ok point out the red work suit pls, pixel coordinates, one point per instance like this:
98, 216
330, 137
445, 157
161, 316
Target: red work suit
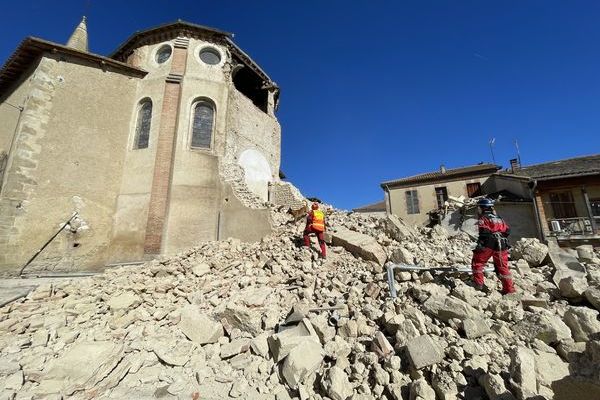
492, 242
311, 229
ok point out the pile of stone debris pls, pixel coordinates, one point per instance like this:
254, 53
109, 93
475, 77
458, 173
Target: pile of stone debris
270, 320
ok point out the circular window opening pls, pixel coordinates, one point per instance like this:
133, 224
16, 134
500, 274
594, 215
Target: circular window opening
210, 56
163, 54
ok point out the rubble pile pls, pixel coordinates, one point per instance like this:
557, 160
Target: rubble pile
270, 320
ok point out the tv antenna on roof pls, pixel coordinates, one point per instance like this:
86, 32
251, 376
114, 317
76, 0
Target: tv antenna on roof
492, 141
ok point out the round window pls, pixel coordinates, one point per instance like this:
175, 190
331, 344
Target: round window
210, 56
163, 54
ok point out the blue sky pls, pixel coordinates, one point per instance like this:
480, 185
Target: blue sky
377, 90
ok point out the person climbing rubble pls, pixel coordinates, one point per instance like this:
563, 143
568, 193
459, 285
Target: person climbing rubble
315, 223
492, 242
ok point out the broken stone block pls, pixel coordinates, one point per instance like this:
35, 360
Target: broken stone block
475, 327
583, 322
201, 269
570, 350
402, 256
372, 290
543, 325
381, 346
530, 301
522, 267
397, 229
570, 275
550, 368
592, 294
585, 253
420, 390
336, 384
363, 246
522, 372
81, 367
14, 381
424, 351
198, 327
531, 250
235, 347
495, 388
242, 318
260, 345
284, 341
303, 360
447, 307
124, 301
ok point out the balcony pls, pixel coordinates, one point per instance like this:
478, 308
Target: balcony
574, 228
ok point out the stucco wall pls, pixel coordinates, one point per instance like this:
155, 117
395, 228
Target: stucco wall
521, 219
427, 198
71, 149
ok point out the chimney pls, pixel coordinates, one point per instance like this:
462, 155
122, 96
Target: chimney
514, 164
443, 169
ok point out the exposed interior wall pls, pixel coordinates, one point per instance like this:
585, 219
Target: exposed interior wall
520, 217
516, 186
427, 198
250, 128
74, 128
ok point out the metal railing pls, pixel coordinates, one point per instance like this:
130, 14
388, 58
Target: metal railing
573, 226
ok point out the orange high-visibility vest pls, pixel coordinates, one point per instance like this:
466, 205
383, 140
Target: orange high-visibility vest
318, 221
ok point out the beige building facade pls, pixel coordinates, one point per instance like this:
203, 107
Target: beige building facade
412, 198
169, 141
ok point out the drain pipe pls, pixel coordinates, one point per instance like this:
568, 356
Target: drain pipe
532, 186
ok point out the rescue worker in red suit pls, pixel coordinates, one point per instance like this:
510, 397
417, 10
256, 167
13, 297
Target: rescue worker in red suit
492, 242
315, 223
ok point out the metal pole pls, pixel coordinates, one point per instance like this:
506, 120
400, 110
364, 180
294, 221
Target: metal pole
46, 244
492, 149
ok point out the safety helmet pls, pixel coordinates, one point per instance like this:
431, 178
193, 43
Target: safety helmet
485, 203
315, 206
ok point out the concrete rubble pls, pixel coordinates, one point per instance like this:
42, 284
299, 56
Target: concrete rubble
271, 320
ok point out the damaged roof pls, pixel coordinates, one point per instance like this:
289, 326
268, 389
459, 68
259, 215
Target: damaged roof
178, 28
570, 167
32, 48
374, 207
444, 175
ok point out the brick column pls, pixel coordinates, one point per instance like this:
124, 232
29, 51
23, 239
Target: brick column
165, 150
542, 214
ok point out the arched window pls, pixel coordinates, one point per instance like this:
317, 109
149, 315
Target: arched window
142, 127
202, 124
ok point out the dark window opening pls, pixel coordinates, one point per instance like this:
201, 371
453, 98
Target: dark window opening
202, 125
595, 205
412, 202
441, 195
250, 85
474, 189
563, 205
142, 128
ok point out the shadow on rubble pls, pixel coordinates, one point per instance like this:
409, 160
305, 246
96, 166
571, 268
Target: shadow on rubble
582, 383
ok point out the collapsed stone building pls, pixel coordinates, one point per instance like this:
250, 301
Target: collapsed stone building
269, 320
170, 140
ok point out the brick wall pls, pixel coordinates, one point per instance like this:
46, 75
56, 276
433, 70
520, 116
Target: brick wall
165, 149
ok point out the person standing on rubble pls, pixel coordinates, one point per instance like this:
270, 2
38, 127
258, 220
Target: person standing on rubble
492, 242
315, 223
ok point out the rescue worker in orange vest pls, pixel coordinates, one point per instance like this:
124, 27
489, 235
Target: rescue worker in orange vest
492, 242
315, 223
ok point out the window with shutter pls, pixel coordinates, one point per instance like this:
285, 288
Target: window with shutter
142, 127
202, 125
412, 202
